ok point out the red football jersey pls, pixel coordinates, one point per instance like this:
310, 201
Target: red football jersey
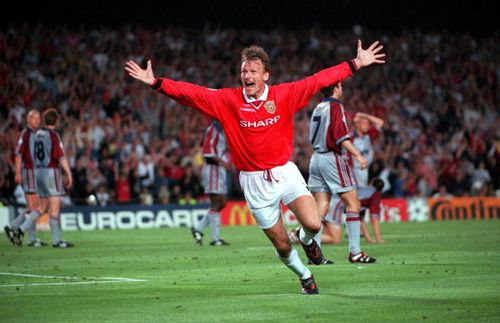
260, 134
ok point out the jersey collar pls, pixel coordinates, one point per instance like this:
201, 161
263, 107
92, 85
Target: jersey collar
263, 97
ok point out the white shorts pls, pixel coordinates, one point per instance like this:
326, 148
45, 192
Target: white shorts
264, 190
330, 172
214, 179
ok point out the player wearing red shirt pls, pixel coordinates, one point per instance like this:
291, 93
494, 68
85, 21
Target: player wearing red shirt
258, 121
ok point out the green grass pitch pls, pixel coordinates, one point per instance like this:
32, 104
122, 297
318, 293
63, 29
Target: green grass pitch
433, 271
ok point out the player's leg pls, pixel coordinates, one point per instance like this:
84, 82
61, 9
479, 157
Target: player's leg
218, 202
306, 211
332, 221
290, 257
55, 223
352, 205
332, 233
298, 198
263, 195
33, 202
322, 200
36, 210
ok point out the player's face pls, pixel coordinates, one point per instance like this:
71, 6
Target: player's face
34, 120
363, 125
253, 78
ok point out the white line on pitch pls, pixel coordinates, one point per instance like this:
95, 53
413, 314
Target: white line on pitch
96, 282
92, 281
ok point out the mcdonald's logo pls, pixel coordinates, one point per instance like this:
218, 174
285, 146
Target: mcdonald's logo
239, 214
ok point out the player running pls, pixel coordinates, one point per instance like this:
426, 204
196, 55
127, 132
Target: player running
258, 121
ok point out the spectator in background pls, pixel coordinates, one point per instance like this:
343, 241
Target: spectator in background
122, 188
481, 179
102, 195
421, 93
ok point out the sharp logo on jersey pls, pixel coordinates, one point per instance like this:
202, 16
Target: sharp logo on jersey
270, 107
259, 123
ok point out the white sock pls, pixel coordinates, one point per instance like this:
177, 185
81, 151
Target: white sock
353, 229
295, 264
30, 219
204, 222
317, 237
306, 236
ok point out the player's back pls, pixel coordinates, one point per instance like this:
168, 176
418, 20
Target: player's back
47, 148
320, 120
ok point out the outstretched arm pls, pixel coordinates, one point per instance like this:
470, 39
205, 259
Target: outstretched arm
370, 55
144, 75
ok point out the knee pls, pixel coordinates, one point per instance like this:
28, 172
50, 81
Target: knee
283, 248
314, 227
353, 205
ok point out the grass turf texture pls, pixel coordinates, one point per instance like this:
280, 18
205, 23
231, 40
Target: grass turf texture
434, 271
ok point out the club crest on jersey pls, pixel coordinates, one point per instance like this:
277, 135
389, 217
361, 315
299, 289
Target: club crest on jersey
270, 106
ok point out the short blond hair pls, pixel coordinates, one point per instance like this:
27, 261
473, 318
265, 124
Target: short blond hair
253, 53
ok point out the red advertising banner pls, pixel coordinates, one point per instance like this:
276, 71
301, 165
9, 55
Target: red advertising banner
394, 210
236, 213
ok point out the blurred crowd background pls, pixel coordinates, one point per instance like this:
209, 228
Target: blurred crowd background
438, 94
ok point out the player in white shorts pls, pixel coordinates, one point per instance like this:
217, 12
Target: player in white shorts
214, 174
258, 121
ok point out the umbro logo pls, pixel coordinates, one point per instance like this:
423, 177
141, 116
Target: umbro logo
248, 108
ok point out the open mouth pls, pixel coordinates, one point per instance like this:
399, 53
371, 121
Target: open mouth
249, 84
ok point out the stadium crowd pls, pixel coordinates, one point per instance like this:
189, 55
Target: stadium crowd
438, 94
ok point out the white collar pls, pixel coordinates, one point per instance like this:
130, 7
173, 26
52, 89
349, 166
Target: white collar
263, 97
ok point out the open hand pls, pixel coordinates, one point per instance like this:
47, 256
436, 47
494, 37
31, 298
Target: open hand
145, 75
370, 55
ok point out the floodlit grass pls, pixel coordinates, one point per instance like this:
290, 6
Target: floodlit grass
434, 271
